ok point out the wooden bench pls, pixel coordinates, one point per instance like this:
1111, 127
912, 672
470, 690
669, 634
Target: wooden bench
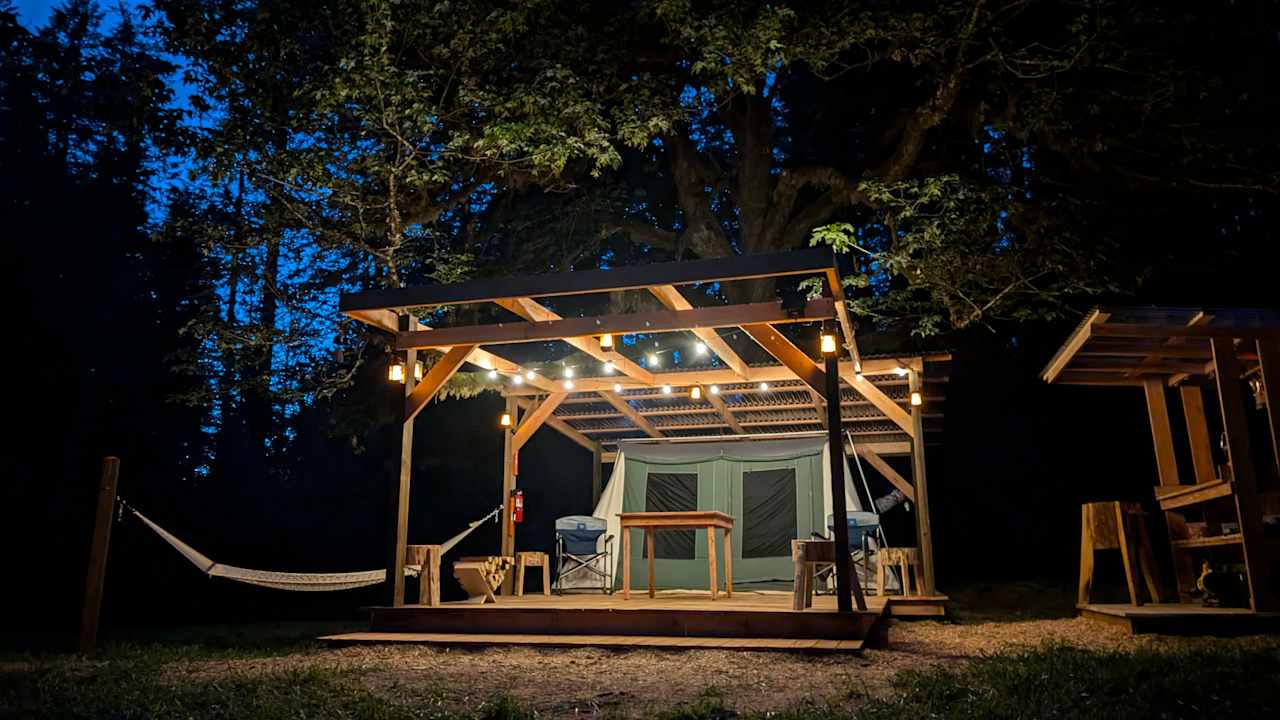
532, 559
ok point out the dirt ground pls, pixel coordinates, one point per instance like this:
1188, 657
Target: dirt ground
590, 682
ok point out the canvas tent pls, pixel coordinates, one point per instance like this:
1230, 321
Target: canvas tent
776, 490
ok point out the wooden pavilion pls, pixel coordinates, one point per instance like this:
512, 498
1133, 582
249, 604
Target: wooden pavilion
754, 379
1225, 506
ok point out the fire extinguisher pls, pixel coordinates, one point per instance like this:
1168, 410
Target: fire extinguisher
517, 506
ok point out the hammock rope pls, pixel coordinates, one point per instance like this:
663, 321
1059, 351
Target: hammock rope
300, 582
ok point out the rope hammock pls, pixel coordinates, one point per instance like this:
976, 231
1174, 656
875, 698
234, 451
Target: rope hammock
302, 582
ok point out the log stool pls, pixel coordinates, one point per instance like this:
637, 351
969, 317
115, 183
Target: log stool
905, 558
1117, 526
807, 556
532, 559
426, 557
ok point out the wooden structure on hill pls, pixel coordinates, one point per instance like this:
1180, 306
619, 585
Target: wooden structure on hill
749, 376
1224, 505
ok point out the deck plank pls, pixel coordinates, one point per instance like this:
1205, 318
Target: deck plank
610, 641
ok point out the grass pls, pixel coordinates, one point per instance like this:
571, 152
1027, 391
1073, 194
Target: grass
127, 681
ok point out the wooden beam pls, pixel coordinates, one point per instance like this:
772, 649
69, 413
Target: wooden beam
701, 321
1196, 331
1161, 432
561, 427
819, 406
436, 377
510, 464
669, 296
532, 311
842, 314
1227, 372
416, 396
533, 420
740, 267
1198, 433
924, 532
725, 413
792, 357
848, 589
1269, 367
885, 404
625, 408
381, 319
1073, 344
96, 577
893, 476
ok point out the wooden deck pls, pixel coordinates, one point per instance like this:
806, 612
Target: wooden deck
672, 619
1182, 619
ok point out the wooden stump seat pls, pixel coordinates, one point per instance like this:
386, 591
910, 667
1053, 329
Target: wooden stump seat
808, 555
428, 558
906, 558
532, 559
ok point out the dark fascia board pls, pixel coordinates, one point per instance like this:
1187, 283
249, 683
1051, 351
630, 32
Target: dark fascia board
741, 267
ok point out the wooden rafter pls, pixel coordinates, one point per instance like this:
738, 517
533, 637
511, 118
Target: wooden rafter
885, 404
561, 426
893, 476
669, 296
625, 408
819, 405
842, 314
1073, 345
742, 267
725, 413
534, 419
534, 311
545, 325
792, 357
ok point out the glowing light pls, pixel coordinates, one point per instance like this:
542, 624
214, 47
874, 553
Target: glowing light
764, 386
517, 379
828, 344
529, 375
417, 371
606, 341
653, 360
493, 374
714, 389
666, 389
857, 375
900, 371
505, 421
617, 387
609, 367
568, 372
395, 371
916, 400
695, 393
568, 384
700, 348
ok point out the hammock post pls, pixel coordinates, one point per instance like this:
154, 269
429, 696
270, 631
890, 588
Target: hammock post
398, 502
97, 574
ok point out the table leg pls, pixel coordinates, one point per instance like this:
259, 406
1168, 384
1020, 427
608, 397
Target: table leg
728, 562
626, 563
648, 546
711, 559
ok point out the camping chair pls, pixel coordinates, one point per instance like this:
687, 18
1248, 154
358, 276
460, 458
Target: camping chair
863, 529
578, 550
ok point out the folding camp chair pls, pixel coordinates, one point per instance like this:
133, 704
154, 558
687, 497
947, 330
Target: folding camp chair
580, 551
864, 527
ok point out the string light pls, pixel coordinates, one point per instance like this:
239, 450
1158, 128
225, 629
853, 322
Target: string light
653, 359
568, 372
695, 393
417, 371
517, 379
606, 341
608, 367
529, 375
568, 384
617, 387
666, 389
505, 420
764, 386
828, 343
700, 348
900, 371
857, 375
493, 374
916, 400
714, 389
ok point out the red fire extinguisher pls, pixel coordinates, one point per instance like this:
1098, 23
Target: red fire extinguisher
517, 506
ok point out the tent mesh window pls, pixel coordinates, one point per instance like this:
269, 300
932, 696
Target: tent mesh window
672, 492
768, 512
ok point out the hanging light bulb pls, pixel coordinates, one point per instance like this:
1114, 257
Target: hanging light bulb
606, 341
395, 371
764, 386
695, 393
517, 379
529, 375
617, 387
828, 343
417, 371
505, 420
609, 367
857, 374
568, 372
568, 384
900, 371
916, 400
714, 389
666, 389
493, 374
700, 348
653, 359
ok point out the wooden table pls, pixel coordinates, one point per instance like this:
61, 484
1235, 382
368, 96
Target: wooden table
684, 520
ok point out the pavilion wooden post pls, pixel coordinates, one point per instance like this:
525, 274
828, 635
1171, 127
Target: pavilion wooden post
847, 587
1198, 433
1161, 431
597, 474
398, 497
97, 573
924, 533
507, 530
1227, 372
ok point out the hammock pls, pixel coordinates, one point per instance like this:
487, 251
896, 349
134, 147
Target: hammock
304, 582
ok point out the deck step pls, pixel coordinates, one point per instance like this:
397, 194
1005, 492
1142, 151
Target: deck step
1179, 496
665, 642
